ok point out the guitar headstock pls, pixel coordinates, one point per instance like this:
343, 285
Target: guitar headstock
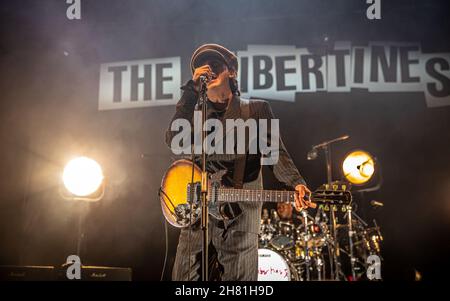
336, 186
336, 193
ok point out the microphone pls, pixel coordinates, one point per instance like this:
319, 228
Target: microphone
376, 203
312, 154
204, 79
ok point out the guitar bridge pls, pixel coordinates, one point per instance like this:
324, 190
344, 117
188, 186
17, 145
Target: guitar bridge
183, 212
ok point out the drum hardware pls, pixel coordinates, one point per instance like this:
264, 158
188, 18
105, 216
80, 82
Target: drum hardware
306, 239
281, 243
356, 261
265, 215
325, 194
350, 239
312, 155
274, 215
372, 239
378, 236
303, 242
266, 233
319, 269
316, 230
286, 228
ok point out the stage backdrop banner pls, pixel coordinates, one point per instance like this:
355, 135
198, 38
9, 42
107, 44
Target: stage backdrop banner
279, 72
142, 83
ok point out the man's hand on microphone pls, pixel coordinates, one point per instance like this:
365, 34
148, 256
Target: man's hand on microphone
202, 70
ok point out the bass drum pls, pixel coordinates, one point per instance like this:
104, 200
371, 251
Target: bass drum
274, 267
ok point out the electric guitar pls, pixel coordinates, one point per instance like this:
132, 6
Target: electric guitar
181, 203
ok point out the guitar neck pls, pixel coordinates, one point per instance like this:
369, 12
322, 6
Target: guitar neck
332, 197
252, 195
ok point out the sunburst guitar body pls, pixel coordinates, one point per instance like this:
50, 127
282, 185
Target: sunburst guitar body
180, 195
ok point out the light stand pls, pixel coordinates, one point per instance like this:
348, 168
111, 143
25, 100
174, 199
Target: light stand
81, 235
359, 168
83, 208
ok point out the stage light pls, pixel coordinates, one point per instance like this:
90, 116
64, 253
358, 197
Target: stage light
358, 167
82, 176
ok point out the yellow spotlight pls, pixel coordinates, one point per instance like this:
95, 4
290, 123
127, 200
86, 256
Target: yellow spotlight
82, 176
358, 167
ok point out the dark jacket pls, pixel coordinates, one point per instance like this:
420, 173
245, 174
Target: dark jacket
285, 170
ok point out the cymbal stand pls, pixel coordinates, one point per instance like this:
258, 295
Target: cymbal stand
350, 240
306, 239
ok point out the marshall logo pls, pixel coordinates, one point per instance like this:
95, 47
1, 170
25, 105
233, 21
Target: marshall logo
98, 275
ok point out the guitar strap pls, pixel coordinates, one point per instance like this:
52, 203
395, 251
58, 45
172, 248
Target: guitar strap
230, 211
239, 163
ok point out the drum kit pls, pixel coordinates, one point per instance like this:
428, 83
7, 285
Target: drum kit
313, 246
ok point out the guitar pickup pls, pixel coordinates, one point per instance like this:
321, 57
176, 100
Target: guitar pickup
193, 193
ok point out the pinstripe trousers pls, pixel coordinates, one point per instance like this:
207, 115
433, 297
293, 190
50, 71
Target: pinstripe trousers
237, 252
236, 245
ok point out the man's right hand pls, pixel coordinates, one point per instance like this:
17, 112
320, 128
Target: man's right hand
202, 70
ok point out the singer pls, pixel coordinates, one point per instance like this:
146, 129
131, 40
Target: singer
235, 240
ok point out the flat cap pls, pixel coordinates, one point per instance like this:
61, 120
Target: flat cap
209, 51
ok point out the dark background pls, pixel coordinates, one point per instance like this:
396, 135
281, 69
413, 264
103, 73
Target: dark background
49, 78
